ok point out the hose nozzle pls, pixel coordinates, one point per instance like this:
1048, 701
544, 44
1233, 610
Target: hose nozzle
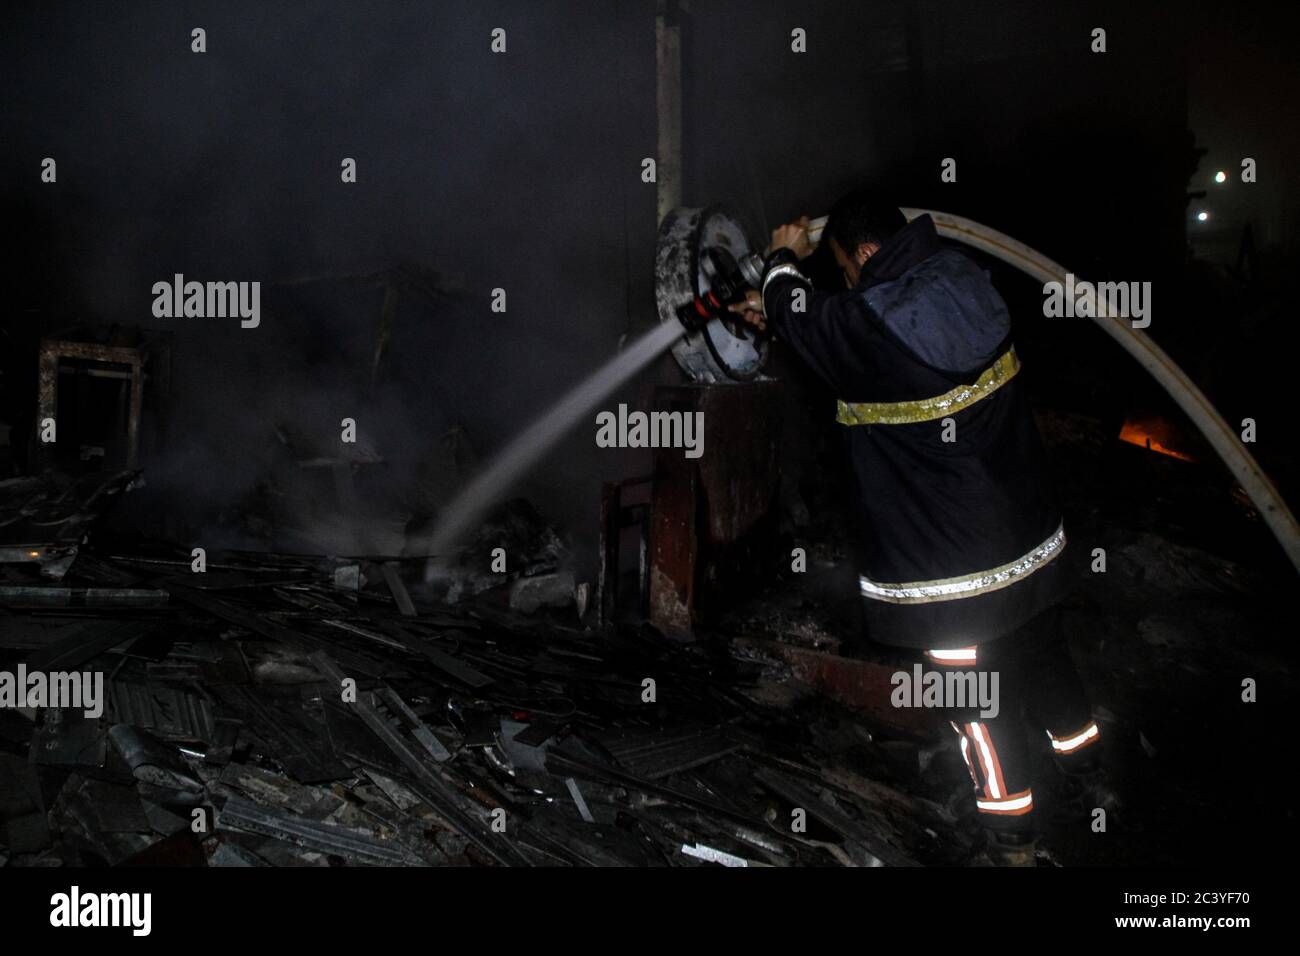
728, 281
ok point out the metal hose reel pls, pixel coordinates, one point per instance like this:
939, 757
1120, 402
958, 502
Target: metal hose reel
698, 259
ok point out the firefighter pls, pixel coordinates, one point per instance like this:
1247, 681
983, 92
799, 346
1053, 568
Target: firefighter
961, 555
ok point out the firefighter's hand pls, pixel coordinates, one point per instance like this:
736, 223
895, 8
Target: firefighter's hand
751, 310
792, 236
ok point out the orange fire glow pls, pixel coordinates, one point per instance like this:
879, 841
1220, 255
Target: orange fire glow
1154, 434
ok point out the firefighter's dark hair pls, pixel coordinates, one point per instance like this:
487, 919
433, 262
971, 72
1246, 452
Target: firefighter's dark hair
864, 215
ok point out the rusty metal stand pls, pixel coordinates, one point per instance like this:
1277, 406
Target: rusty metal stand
710, 524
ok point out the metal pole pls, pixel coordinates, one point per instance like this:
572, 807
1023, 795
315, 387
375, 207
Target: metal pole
668, 70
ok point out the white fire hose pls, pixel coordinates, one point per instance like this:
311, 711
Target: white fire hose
1190, 399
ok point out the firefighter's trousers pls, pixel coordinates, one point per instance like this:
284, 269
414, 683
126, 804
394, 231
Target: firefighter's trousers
1039, 691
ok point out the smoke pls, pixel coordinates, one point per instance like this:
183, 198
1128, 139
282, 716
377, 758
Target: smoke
515, 171
537, 439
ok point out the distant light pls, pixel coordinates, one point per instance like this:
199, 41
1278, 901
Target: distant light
1202, 215
1221, 177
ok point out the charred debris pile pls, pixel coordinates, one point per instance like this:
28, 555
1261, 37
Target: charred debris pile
288, 710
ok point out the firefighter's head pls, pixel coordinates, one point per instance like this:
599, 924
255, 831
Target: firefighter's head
859, 224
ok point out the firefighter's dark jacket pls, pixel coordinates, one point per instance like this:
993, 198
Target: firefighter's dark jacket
962, 535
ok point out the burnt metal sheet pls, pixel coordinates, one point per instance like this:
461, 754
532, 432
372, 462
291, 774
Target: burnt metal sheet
430, 786
29, 632
23, 597
70, 652
68, 738
163, 821
269, 628
243, 815
178, 671
414, 726
538, 732
152, 761
308, 600
54, 559
578, 800
95, 570
800, 795
710, 854
234, 614
559, 762
230, 854
114, 808
393, 578
366, 633
400, 796
654, 756
520, 755
353, 742
450, 665
275, 789
22, 810
301, 749
167, 711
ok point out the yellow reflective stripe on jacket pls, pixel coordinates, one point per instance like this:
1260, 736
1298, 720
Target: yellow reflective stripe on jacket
929, 409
